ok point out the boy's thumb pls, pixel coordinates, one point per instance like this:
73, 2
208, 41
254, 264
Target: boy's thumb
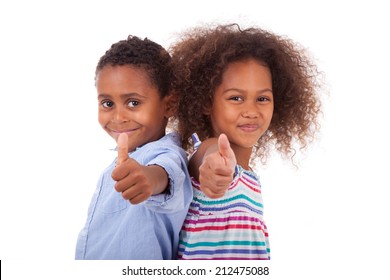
122, 148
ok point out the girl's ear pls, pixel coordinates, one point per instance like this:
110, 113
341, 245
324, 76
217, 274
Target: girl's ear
171, 104
207, 110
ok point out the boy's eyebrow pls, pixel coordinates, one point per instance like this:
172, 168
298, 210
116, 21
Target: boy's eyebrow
105, 96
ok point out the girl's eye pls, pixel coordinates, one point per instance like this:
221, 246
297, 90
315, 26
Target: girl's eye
235, 98
263, 99
107, 104
133, 103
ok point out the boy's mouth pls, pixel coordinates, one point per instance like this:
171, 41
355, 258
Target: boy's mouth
122, 130
115, 132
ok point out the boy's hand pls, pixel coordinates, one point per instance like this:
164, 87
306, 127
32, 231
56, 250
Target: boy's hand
217, 169
132, 178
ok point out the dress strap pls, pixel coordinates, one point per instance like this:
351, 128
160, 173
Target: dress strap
196, 140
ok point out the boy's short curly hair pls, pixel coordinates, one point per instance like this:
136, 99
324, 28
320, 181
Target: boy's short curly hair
145, 54
203, 54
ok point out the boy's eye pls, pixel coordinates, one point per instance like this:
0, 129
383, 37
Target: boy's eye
107, 104
133, 103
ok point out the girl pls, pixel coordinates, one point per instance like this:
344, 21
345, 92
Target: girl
242, 92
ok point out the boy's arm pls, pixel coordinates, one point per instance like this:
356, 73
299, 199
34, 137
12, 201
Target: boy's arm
137, 182
213, 166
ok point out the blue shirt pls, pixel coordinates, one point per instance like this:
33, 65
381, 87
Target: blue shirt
116, 229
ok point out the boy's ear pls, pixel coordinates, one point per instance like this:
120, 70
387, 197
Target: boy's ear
171, 104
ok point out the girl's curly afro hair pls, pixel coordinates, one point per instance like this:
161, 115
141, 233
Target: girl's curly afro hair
200, 58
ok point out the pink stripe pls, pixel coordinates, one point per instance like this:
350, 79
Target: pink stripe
249, 179
242, 179
193, 211
221, 258
249, 186
225, 227
227, 219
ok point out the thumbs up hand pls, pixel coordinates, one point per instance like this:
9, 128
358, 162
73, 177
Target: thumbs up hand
135, 181
217, 169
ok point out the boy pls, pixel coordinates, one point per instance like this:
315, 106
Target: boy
142, 198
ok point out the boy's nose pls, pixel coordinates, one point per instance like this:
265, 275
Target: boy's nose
119, 116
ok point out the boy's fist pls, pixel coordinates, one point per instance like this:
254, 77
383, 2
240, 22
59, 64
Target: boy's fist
132, 179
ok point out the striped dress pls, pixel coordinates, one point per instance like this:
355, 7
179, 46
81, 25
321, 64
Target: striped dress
230, 227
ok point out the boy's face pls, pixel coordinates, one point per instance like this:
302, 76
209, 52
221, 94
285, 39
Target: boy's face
129, 103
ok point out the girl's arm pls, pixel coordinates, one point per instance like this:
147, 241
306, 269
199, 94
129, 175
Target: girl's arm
213, 165
206, 147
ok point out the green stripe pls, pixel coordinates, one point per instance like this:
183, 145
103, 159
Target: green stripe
213, 244
240, 196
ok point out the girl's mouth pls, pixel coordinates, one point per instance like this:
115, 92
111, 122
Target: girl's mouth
249, 127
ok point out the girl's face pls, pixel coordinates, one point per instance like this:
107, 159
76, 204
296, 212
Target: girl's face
129, 103
243, 103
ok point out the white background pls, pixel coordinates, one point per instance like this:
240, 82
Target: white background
327, 219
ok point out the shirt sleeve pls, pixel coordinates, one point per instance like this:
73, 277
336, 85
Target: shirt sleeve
174, 161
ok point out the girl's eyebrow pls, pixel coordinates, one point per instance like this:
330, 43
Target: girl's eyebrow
242, 91
122, 96
132, 95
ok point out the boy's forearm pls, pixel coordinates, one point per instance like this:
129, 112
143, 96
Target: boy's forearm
159, 178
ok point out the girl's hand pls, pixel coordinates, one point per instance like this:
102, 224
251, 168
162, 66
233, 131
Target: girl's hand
135, 181
217, 169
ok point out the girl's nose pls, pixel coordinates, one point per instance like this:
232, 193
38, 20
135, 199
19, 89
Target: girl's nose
250, 111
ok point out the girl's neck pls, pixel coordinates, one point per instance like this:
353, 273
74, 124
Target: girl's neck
243, 156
